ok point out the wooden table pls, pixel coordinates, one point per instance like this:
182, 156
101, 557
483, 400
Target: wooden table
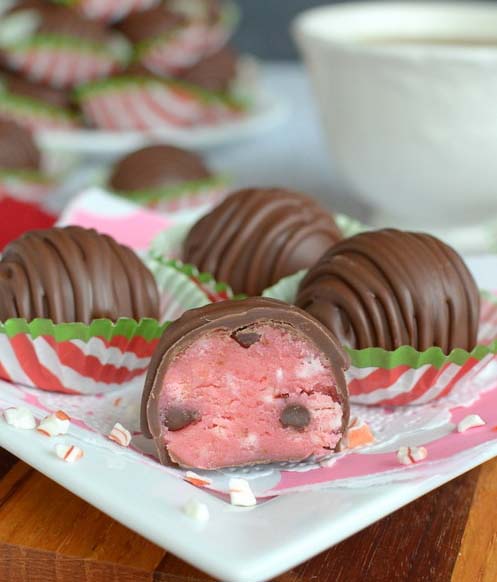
49, 535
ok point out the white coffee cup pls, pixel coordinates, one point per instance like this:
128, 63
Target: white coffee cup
412, 126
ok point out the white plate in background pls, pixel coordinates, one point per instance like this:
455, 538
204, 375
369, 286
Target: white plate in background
267, 112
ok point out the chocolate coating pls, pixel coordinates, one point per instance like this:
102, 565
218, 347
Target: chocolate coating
234, 316
214, 73
257, 236
18, 150
74, 275
59, 20
147, 24
155, 167
391, 288
17, 85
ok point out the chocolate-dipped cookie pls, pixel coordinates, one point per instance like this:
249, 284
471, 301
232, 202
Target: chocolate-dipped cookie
257, 236
74, 275
18, 150
243, 382
391, 288
155, 167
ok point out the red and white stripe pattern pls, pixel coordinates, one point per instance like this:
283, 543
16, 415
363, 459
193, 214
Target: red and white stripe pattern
403, 385
35, 120
113, 10
184, 48
74, 367
24, 190
149, 107
61, 67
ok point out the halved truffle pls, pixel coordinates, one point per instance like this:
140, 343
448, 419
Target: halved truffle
243, 382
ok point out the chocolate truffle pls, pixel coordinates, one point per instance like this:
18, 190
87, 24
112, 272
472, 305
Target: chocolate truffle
391, 288
215, 72
257, 236
74, 275
18, 151
156, 167
242, 382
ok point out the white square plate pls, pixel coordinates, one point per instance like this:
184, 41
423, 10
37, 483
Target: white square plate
236, 544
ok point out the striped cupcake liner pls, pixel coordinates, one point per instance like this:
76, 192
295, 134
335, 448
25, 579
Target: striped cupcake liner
35, 115
184, 287
406, 376
61, 62
186, 46
74, 358
186, 196
25, 186
143, 104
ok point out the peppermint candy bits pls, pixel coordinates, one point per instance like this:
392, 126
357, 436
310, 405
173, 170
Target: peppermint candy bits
54, 424
411, 455
470, 421
120, 435
240, 493
20, 417
69, 453
197, 480
196, 510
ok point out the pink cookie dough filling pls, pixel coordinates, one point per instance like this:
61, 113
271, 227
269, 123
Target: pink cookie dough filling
272, 400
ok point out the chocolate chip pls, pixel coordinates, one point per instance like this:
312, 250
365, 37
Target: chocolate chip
295, 415
246, 339
178, 418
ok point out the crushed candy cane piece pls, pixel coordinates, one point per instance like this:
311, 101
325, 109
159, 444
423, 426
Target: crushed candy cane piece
120, 435
196, 510
359, 434
240, 493
69, 453
328, 462
20, 417
411, 455
470, 421
197, 480
55, 424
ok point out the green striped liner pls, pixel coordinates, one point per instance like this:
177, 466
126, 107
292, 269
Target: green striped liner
26, 176
148, 329
124, 82
61, 42
21, 105
192, 188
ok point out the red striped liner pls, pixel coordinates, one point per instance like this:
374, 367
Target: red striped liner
425, 380
151, 107
59, 68
80, 361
